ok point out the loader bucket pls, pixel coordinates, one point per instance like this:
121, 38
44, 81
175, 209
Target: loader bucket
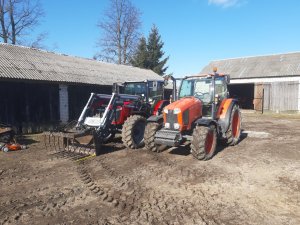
79, 143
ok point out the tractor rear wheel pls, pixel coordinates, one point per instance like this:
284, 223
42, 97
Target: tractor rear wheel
150, 132
203, 145
234, 130
133, 131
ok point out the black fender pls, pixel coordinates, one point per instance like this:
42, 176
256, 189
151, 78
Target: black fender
225, 122
206, 122
156, 119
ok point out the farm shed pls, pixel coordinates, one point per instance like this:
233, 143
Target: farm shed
269, 82
40, 88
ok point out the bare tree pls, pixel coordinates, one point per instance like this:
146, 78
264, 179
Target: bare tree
18, 18
120, 29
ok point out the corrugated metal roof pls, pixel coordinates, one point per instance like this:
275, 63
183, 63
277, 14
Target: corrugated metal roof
279, 65
18, 62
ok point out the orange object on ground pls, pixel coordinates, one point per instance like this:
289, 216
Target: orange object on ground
13, 147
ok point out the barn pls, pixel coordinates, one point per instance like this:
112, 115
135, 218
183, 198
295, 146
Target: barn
40, 88
264, 83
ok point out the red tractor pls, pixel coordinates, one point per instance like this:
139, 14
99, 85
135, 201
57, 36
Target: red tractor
203, 114
125, 111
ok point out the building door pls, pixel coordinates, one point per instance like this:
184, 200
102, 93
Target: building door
244, 93
258, 97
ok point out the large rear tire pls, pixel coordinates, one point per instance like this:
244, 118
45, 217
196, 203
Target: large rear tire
133, 131
150, 132
234, 130
203, 145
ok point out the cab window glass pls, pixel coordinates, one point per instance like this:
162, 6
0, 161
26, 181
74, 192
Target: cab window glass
135, 88
186, 88
220, 87
156, 90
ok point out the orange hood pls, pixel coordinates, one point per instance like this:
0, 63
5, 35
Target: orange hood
184, 103
190, 110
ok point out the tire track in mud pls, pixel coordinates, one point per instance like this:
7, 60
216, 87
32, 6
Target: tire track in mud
12, 211
137, 203
152, 205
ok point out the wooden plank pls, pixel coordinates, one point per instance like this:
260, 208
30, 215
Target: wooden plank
258, 96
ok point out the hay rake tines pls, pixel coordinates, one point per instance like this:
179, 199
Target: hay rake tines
53, 141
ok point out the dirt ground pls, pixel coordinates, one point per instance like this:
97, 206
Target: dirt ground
254, 182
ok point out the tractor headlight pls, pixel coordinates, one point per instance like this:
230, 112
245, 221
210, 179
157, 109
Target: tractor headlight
176, 126
166, 111
167, 125
176, 111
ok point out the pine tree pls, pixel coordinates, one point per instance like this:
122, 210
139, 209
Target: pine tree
155, 52
140, 58
149, 53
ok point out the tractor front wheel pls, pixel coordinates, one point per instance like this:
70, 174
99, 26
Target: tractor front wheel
150, 132
203, 145
133, 131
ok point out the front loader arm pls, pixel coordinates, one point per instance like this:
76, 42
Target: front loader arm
84, 111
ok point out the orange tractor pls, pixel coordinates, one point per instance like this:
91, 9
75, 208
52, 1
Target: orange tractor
203, 114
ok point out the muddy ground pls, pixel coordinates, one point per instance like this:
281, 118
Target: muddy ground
255, 182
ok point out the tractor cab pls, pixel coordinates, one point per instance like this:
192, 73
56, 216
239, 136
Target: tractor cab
149, 90
209, 89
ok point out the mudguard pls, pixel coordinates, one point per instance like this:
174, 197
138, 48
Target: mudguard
204, 121
159, 106
155, 118
224, 113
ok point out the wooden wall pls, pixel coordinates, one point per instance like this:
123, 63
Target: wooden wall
34, 107
24, 104
281, 96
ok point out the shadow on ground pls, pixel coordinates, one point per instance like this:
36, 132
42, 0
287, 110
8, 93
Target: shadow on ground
26, 139
185, 149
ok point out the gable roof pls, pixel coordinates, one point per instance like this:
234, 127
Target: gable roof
18, 62
279, 65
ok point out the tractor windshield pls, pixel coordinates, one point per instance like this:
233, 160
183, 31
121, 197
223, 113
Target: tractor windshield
200, 88
135, 88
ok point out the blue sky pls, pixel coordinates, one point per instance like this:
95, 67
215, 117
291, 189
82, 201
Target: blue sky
194, 31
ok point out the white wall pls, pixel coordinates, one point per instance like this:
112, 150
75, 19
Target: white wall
265, 80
